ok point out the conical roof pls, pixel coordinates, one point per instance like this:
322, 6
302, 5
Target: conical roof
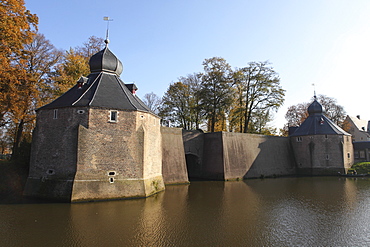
102, 88
317, 123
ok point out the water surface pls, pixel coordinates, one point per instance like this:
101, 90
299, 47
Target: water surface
312, 211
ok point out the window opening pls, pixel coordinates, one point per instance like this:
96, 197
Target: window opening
55, 114
299, 139
113, 116
50, 172
112, 173
111, 180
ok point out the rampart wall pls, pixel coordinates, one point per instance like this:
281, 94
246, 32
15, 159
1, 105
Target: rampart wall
173, 157
232, 156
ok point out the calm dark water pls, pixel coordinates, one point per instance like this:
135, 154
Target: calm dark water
319, 211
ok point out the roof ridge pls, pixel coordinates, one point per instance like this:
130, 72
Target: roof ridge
84, 93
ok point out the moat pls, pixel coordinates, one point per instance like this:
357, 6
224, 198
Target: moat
305, 211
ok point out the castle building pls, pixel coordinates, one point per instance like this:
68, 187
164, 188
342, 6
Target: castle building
321, 147
97, 141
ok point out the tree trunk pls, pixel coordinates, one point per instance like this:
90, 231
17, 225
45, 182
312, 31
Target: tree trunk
17, 139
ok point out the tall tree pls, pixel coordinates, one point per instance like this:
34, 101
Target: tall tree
75, 63
175, 105
17, 28
332, 109
72, 67
152, 101
181, 102
260, 90
90, 47
216, 89
38, 60
17, 87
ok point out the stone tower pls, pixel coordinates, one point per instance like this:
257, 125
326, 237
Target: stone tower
321, 147
97, 141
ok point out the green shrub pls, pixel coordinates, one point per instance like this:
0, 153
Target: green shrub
361, 168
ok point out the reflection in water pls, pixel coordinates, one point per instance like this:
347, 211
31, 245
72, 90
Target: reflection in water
322, 211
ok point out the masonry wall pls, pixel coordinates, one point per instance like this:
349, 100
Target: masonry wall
213, 156
118, 159
54, 153
251, 156
193, 146
323, 154
173, 157
239, 155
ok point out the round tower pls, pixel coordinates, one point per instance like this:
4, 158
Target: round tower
320, 146
97, 141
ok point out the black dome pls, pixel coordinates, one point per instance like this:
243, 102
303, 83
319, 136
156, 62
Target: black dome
105, 61
315, 108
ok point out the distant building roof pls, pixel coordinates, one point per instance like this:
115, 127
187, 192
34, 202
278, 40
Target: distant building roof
359, 123
102, 88
317, 123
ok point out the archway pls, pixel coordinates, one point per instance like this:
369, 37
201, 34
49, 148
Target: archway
193, 165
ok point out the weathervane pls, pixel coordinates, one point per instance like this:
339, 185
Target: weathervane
107, 19
314, 90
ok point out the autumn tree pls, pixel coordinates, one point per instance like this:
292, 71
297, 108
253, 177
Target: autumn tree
38, 60
216, 90
17, 86
75, 63
17, 28
258, 93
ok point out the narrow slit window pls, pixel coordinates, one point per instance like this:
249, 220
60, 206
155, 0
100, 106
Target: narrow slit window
299, 139
111, 180
55, 114
113, 116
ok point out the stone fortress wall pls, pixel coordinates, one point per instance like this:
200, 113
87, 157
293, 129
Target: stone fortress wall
236, 156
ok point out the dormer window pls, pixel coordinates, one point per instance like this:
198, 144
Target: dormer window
113, 116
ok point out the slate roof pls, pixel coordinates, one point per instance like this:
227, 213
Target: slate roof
103, 87
317, 123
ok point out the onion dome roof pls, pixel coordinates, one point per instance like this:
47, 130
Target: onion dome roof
102, 88
105, 61
315, 108
317, 123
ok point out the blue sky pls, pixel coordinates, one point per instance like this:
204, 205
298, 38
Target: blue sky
321, 42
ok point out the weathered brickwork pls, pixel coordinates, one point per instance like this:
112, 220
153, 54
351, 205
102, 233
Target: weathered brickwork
118, 159
54, 152
82, 155
323, 154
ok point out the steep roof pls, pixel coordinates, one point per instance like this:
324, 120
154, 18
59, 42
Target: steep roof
360, 124
317, 123
102, 88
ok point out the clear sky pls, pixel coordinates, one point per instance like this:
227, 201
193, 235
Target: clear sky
321, 42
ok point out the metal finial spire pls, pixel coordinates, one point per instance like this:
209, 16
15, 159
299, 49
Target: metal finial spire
106, 18
314, 91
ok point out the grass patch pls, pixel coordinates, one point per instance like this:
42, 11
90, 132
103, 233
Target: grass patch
361, 168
